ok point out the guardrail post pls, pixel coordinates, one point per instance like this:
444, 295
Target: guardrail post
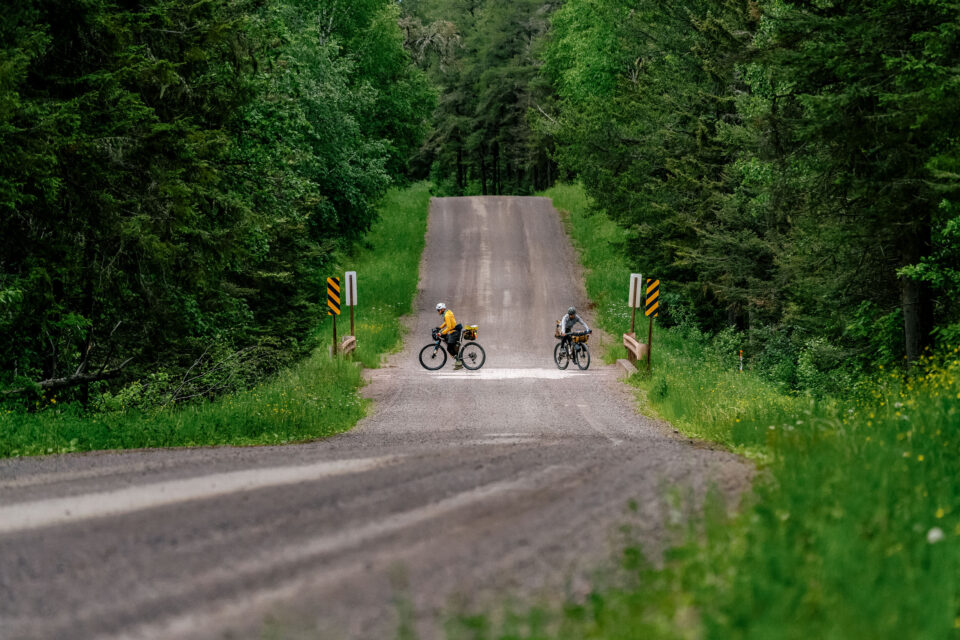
348, 345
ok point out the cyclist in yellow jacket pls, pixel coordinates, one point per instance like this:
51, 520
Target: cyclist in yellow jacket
450, 330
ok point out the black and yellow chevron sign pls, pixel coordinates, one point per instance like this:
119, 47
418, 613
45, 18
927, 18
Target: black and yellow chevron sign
333, 296
651, 305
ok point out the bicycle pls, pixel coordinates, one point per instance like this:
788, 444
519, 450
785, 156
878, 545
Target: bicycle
575, 350
434, 355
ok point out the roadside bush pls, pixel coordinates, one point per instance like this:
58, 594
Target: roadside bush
772, 354
820, 369
948, 335
725, 348
676, 311
879, 335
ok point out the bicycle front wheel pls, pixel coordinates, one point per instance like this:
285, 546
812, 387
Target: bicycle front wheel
433, 356
473, 356
583, 358
560, 356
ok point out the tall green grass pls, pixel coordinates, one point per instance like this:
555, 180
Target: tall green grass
316, 398
852, 529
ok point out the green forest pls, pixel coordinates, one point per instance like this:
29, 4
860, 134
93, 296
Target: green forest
175, 177
790, 170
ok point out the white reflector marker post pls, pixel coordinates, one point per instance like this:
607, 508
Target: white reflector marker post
350, 295
636, 298
350, 291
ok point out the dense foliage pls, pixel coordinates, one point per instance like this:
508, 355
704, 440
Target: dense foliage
175, 176
313, 398
788, 168
483, 54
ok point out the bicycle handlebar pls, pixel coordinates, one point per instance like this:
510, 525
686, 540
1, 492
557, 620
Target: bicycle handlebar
573, 334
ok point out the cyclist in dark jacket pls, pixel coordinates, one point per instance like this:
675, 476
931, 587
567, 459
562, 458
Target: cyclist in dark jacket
569, 321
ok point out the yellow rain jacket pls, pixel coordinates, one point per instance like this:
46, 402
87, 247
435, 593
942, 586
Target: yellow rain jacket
449, 323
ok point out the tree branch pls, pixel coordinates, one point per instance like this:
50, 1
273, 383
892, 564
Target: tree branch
70, 381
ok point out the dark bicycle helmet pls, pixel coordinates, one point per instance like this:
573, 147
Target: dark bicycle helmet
572, 311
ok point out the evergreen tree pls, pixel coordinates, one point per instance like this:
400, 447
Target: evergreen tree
174, 176
873, 92
481, 140
790, 166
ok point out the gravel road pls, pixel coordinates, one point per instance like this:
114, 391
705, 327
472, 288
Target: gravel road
459, 490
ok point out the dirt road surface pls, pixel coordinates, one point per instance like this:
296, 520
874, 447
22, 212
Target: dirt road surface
460, 489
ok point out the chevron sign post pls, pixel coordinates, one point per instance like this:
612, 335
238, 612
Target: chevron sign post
333, 306
651, 307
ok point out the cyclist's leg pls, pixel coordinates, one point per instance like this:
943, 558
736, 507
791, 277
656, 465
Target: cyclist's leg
457, 346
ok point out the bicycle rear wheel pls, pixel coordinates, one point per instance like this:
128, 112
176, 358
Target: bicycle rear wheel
433, 356
560, 356
583, 357
473, 356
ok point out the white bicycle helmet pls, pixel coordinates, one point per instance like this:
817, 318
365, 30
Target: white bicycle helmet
441, 306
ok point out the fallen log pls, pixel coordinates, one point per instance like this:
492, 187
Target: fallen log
70, 381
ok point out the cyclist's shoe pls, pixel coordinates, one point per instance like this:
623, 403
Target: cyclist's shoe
457, 364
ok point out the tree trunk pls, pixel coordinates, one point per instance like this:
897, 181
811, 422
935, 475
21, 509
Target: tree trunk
483, 173
496, 169
911, 301
459, 171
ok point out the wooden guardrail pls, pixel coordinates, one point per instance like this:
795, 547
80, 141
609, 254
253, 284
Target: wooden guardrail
348, 345
635, 350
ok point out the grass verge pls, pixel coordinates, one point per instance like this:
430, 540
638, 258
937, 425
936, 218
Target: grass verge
852, 531
316, 398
